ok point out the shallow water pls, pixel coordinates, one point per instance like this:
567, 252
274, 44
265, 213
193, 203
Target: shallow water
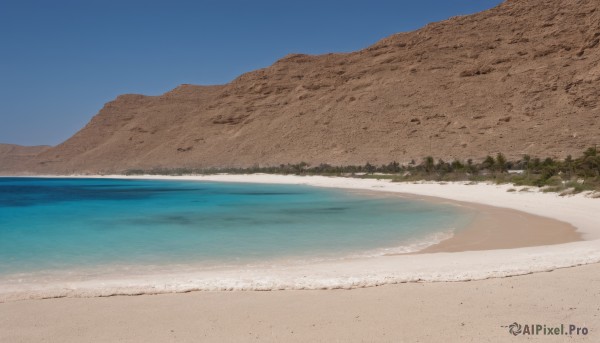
74, 225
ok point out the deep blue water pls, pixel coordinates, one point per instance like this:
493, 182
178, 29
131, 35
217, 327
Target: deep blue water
63, 224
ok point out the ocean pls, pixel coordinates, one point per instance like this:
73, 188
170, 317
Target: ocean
88, 227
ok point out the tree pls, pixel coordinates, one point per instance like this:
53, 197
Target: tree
535, 164
589, 164
443, 167
428, 164
526, 161
457, 165
591, 152
488, 163
471, 168
569, 166
501, 162
393, 167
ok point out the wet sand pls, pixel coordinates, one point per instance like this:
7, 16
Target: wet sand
501, 228
492, 228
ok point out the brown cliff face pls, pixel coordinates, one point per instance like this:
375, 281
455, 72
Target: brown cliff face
522, 78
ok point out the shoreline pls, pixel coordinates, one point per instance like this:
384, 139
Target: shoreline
429, 265
501, 228
476, 311
492, 227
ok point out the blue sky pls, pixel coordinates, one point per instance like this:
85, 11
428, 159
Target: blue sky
60, 61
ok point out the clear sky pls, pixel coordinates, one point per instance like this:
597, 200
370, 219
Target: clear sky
60, 61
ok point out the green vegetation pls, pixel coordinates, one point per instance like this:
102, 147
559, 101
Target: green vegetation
569, 176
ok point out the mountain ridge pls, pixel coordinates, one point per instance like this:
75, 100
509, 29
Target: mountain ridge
519, 79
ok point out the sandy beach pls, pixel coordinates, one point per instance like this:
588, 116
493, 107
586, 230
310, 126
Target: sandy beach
514, 233
473, 311
501, 228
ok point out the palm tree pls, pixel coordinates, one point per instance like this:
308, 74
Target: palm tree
501, 162
428, 164
590, 162
569, 166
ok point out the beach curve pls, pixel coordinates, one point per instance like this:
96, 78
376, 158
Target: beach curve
578, 211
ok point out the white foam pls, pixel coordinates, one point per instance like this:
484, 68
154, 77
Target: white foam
363, 271
410, 246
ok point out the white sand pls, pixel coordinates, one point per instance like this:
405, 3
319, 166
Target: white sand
473, 311
580, 211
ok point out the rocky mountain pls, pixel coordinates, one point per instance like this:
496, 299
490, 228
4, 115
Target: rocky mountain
521, 78
12, 155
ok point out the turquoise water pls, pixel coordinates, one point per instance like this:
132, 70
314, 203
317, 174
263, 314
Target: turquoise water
74, 224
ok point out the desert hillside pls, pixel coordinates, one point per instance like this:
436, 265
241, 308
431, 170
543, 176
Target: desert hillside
521, 78
12, 155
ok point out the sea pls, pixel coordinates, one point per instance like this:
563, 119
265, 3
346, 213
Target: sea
85, 227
